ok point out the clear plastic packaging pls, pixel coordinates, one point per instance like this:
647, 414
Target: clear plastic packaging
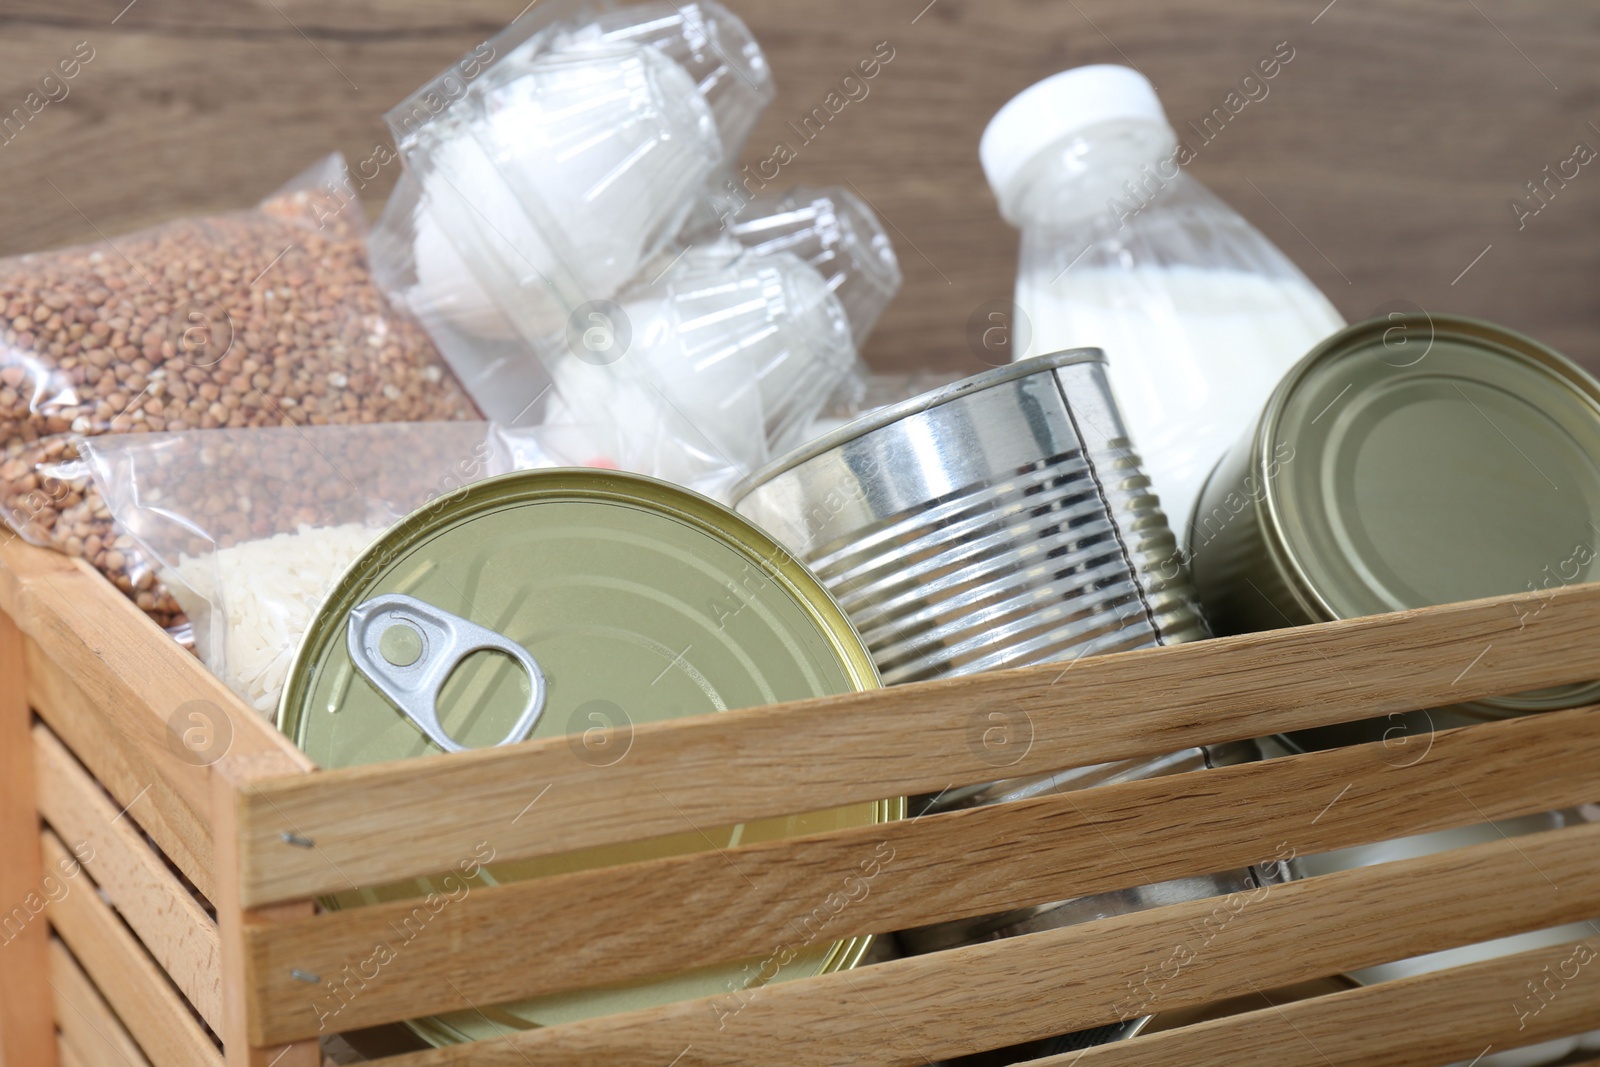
547, 167
422, 273
1198, 313
707, 372
265, 317
714, 47
545, 275
838, 234
579, 147
830, 229
248, 529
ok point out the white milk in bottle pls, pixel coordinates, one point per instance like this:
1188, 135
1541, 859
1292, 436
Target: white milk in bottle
1198, 313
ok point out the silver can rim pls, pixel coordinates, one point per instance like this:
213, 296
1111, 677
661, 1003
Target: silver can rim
877, 420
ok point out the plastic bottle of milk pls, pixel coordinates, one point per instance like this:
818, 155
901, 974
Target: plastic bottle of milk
1198, 313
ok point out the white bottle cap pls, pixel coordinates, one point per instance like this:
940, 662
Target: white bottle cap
1063, 103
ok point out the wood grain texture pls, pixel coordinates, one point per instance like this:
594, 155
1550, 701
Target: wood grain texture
27, 1029
176, 931
141, 683
1382, 160
913, 1011
131, 982
498, 944
242, 1035
383, 822
90, 1030
177, 829
1377, 1026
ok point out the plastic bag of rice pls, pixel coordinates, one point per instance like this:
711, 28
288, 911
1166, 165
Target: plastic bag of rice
250, 529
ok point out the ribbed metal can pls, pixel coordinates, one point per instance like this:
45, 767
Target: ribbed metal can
1001, 521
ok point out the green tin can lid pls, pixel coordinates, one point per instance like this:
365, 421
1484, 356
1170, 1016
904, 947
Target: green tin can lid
638, 602
1434, 459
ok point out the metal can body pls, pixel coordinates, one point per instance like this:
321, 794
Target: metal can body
999, 522
1405, 462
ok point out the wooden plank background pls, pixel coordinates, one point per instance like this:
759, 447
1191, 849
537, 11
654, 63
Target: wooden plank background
1383, 159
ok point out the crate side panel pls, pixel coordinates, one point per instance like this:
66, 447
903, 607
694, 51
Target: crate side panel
384, 822
181, 832
89, 1028
178, 933
27, 1030
914, 1011
132, 983
494, 944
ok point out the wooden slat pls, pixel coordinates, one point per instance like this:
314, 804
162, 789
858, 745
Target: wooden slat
177, 829
383, 822
132, 983
127, 668
27, 1032
242, 1038
917, 1010
506, 942
180, 936
1449, 1016
65, 1056
89, 1028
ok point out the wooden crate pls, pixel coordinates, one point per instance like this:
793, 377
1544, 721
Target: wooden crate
139, 972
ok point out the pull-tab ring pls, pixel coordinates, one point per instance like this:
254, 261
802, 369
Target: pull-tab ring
408, 648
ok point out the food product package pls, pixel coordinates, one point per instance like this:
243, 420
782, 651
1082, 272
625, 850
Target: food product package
542, 234
445, 274
705, 373
721, 354
266, 317
559, 156
248, 529
836, 232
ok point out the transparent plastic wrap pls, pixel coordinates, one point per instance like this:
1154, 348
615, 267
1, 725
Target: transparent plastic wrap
1198, 313
422, 273
248, 529
561, 155
705, 373
714, 46
835, 234
545, 168
257, 318
834, 230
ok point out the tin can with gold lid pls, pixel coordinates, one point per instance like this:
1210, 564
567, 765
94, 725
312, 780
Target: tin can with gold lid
557, 602
1405, 462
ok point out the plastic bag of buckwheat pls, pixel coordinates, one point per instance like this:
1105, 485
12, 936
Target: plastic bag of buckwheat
266, 317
